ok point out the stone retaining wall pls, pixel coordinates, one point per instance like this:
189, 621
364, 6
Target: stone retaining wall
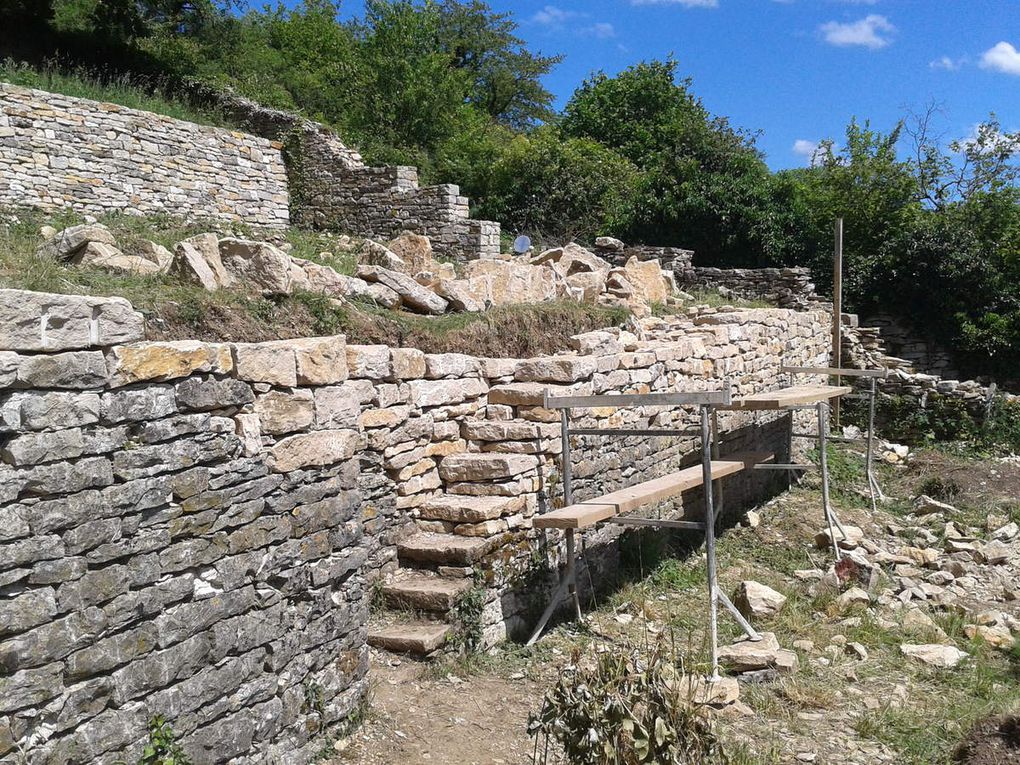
57, 151
785, 287
191, 529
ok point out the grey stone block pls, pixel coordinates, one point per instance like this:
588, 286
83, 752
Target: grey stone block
207, 394
138, 404
74, 369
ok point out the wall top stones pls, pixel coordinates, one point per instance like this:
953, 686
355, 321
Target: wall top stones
57, 151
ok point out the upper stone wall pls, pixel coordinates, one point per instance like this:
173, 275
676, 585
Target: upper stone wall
57, 151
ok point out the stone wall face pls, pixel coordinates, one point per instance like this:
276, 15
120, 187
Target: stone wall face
785, 287
57, 151
180, 535
191, 529
906, 343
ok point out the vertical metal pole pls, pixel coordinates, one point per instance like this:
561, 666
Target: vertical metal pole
871, 437
824, 463
713, 587
568, 499
837, 304
717, 486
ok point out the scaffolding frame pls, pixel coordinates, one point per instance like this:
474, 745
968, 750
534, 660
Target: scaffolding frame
706, 403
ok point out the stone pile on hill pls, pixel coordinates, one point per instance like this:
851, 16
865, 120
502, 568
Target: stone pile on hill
400, 274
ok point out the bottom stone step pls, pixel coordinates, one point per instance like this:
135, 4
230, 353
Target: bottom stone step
418, 639
421, 592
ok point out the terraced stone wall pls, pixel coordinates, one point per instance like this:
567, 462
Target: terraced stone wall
192, 529
96, 158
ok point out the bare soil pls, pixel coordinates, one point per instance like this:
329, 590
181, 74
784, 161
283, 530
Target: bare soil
992, 742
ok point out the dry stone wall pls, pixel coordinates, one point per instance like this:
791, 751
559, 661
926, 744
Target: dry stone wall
180, 535
785, 287
57, 151
192, 529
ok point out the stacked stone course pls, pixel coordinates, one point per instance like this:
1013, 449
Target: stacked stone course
191, 529
57, 151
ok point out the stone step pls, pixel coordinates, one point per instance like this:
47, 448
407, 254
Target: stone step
417, 591
431, 547
420, 639
464, 508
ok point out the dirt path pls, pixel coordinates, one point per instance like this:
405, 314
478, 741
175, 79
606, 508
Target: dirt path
416, 719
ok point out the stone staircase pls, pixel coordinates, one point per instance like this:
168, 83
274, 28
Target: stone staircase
436, 571
485, 498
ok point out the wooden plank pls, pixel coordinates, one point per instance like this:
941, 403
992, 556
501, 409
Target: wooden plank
712, 397
832, 371
792, 396
583, 514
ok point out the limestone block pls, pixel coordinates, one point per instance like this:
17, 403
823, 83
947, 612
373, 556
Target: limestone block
439, 365
562, 369
155, 253
320, 360
481, 529
205, 394
190, 265
138, 404
384, 418
274, 363
757, 601
321, 447
414, 250
375, 254
408, 363
285, 411
369, 361
502, 282
48, 411
485, 467
426, 393
337, 406
167, 360
39, 321
467, 509
646, 279
248, 429
934, 654
458, 295
72, 369
510, 430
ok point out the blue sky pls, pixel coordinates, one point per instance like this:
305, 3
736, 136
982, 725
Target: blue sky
797, 70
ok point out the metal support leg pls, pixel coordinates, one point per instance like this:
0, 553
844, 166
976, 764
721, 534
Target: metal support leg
713, 587
717, 486
830, 517
568, 580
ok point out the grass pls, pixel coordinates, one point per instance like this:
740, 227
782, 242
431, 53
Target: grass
712, 298
119, 89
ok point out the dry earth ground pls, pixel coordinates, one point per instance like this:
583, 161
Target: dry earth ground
854, 699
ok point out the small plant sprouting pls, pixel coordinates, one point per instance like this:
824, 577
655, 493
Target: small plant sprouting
163, 747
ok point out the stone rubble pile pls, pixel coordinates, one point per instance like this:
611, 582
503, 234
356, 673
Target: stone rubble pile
401, 274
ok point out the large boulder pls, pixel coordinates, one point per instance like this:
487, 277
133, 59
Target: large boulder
197, 259
65, 244
645, 276
375, 254
457, 295
414, 250
501, 282
261, 265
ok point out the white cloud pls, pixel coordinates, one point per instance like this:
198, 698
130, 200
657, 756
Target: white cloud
873, 31
684, 3
948, 63
806, 149
1002, 57
602, 30
551, 16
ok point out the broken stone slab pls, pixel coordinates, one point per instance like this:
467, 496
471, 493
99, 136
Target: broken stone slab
485, 467
501, 282
459, 297
109, 258
65, 244
190, 265
925, 505
327, 281
996, 635
853, 537
757, 601
41, 321
561, 369
414, 251
704, 691
155, 253
750, 656
447, 549
412, 295
934, 654
374, 254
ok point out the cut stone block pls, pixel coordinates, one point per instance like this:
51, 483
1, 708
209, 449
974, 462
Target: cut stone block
444, 548
417, 639
748, 655
421, 592
461, 508
485, 467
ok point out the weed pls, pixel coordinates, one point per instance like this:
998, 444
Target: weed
163, 747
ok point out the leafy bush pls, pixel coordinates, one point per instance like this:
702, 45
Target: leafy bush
163, 748
626, 709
